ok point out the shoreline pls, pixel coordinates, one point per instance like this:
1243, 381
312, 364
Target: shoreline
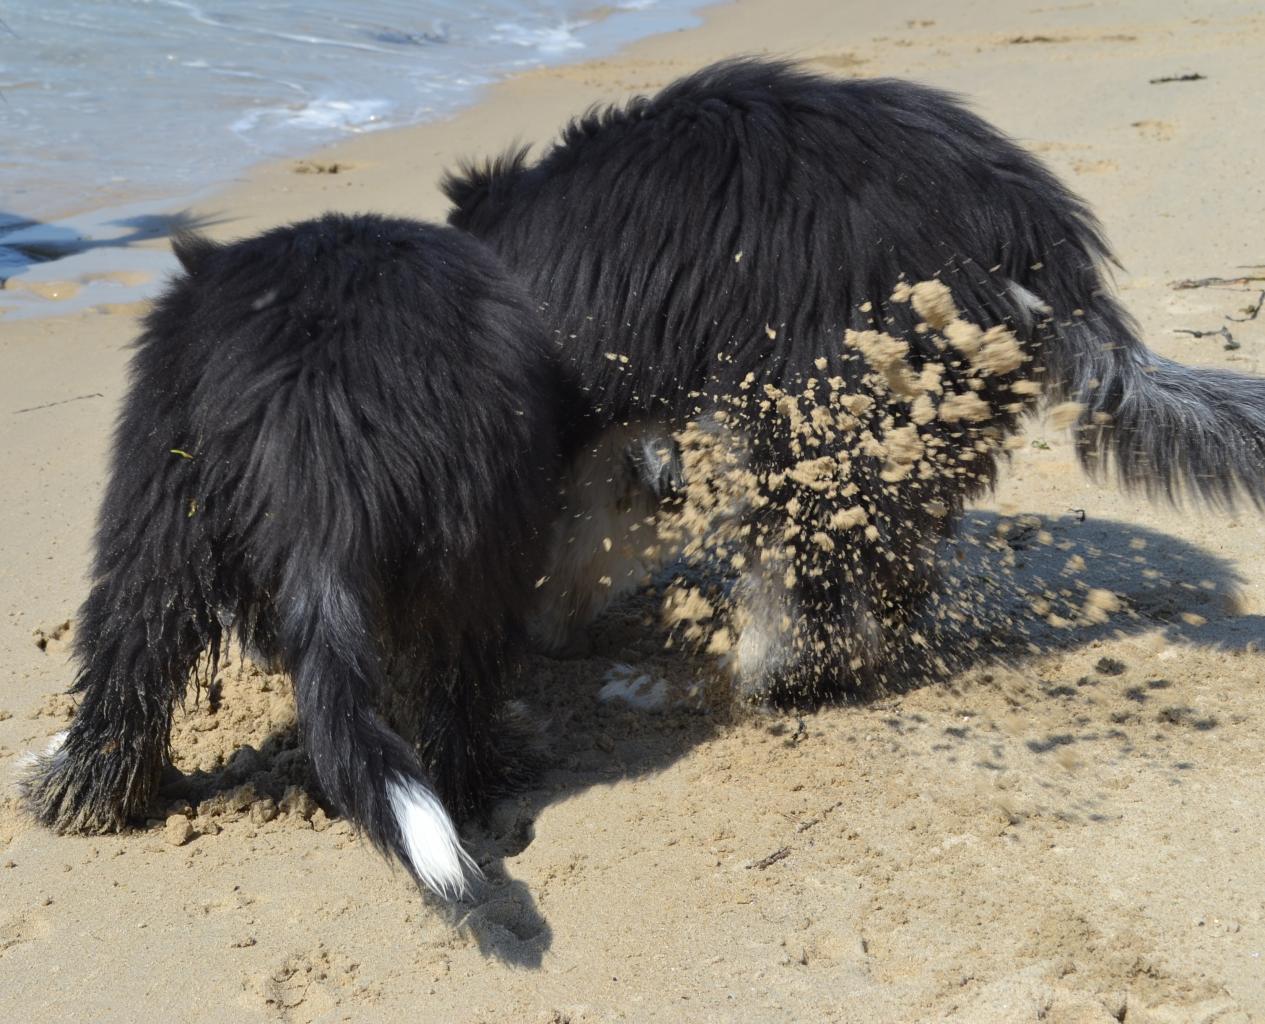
92, 233
1070, 837
538, 101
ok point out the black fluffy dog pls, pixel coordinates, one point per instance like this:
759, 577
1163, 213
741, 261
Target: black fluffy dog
340, 441
733, 253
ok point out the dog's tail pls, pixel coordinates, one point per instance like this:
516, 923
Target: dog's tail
1166, 430
371, 774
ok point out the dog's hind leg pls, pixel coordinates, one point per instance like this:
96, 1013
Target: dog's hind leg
328, 638
837, 565
799, 636
476, 745
148, 618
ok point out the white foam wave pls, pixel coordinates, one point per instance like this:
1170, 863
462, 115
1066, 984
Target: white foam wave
545, 39
320, 115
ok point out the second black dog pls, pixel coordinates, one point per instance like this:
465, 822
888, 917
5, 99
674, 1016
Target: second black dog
731, 258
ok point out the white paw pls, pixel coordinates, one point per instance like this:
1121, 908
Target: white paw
31, 758
638, 689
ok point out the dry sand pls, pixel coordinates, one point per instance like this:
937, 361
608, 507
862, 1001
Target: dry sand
1074, 838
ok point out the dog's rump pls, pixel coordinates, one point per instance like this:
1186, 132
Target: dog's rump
340, 435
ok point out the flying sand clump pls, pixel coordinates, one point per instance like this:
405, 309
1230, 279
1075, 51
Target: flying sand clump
859, 464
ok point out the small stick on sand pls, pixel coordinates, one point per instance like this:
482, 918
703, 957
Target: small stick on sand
1224, 332
772, 858
1213, 282
1255, 311
64, 401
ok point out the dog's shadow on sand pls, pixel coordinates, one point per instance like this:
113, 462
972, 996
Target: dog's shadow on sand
1022, 586
26, 244
1017, 587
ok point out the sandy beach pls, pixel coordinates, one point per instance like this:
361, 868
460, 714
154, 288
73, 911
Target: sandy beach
1073, 837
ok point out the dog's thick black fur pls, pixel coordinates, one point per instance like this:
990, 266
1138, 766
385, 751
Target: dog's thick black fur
690, 248
339, 439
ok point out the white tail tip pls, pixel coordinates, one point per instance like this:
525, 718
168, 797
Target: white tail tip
430, 840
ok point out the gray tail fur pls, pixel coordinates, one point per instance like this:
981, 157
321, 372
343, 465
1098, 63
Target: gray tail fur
1163, 429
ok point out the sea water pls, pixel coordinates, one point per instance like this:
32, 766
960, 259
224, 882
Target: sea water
113, 112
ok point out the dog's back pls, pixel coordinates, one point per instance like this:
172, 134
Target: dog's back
739, 220
375, 379
743, 218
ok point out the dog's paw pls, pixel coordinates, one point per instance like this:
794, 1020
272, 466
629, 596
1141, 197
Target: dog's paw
638, 689
26, 763
641, 689
68, 792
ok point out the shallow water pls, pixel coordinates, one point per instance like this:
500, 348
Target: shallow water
107, 104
